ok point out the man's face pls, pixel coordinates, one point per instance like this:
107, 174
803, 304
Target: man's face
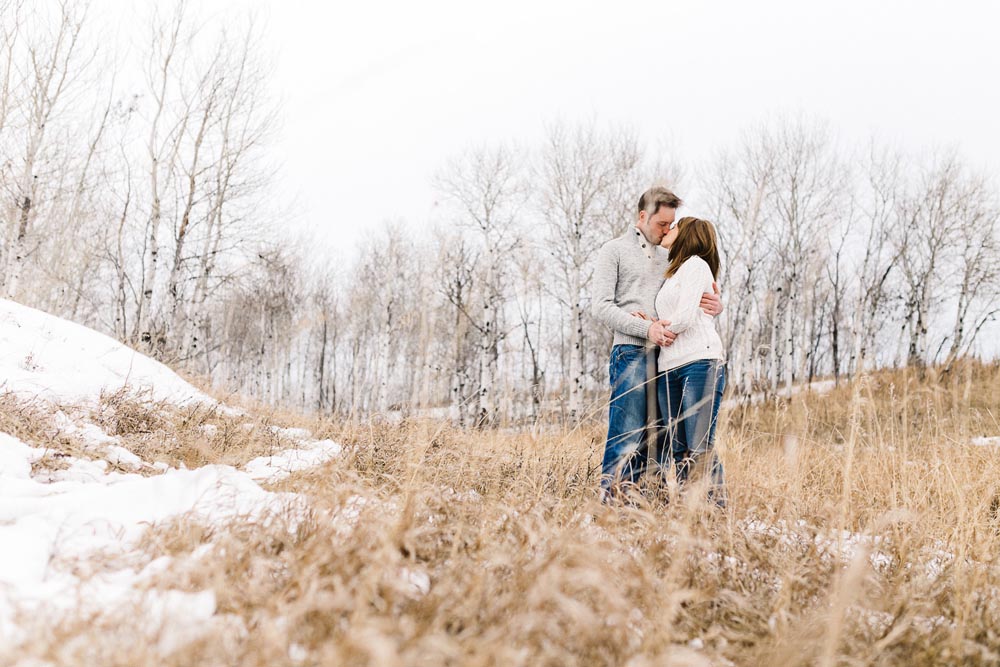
668, 239
655, 226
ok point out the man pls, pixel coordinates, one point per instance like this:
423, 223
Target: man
628, 274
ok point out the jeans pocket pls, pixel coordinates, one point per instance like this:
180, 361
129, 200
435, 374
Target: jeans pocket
613, 365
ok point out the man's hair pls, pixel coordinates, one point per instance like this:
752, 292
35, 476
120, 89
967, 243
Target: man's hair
656, 197
694, 237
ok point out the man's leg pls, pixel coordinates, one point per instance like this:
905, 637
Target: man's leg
625, 450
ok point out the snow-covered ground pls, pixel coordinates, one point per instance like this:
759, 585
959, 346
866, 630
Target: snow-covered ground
46, 357
281, 465
54, 522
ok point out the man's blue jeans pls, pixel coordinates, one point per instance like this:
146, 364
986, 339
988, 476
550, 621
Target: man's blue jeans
690, 397
625, 453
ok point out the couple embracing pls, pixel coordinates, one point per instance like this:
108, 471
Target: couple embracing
655, 288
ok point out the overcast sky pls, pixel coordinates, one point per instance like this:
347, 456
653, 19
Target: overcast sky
377, 95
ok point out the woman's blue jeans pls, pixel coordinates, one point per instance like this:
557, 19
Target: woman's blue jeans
690, 397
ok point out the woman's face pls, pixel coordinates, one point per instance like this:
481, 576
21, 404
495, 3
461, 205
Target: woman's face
669, 238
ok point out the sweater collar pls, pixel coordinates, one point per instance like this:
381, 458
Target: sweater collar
643, 243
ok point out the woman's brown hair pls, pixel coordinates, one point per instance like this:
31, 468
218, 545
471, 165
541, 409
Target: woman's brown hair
695, 237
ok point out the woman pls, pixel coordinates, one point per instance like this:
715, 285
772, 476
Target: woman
692, 370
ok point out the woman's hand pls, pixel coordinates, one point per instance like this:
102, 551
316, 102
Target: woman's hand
659, 333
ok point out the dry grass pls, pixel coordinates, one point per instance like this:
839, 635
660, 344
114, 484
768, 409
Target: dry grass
190, 436
33, 422
526, 568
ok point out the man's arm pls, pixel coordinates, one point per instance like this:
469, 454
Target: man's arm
711, 302
604, 307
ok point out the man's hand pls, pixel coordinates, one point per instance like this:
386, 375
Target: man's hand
660, 334
641, 315
711, 303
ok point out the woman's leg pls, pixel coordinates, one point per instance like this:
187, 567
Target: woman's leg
674, 447
703, 383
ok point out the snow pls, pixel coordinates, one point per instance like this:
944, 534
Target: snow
58, 525
993, 441
92, 436
417, 582
291, 433
45, 357
55, 523
843, 544
90, 512
281, 465
818, 387
929, 562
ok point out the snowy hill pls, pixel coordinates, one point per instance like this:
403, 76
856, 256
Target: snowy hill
69, 491
47, 357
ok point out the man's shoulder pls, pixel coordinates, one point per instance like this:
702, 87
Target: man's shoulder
618, 243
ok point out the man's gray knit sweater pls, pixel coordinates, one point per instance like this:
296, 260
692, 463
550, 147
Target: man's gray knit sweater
627, 275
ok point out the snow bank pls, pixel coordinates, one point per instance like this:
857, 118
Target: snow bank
50, 358
54, 523
281, 465
96, 439
49, 530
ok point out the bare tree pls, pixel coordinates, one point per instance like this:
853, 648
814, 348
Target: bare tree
455, 277
485, 185
233, 184
201, 117
739, 187
930, 216
978, 256
162, 147
530, 294
836, 274
876, 204
11, 19
582, 172
328, 325
11, 22
258, 321
808, 196
52, 65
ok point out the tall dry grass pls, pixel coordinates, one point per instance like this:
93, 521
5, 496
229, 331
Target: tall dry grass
862, 530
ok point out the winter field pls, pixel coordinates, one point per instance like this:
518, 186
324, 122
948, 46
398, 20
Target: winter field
303, 359
146, 523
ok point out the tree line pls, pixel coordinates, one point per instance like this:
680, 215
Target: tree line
143, 209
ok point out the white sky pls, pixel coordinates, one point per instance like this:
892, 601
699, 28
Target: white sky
377, 95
